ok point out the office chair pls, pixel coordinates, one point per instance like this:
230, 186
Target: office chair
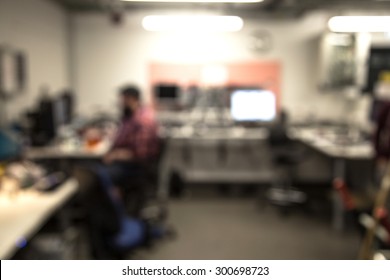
111, 232
286, 155
140, 190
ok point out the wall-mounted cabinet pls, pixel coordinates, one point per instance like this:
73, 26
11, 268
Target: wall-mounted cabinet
343, 61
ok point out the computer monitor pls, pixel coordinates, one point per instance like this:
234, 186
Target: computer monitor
253, 105
167, 97
43, 122
9, 147
166, 92
64, 106
60, 112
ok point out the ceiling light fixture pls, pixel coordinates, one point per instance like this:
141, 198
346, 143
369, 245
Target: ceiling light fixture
197, 1
359, 24
193, 23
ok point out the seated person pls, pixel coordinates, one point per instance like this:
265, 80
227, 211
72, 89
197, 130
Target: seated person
136, 144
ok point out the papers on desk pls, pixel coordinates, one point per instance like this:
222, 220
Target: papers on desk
8, 199
23, 214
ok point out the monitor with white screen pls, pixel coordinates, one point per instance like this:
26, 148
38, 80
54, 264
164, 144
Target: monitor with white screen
253, 105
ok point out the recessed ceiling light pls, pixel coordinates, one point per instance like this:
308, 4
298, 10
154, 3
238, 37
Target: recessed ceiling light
197, 1
359, 24
193, 23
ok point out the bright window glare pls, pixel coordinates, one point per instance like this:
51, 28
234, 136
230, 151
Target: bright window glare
253, 105
359, 24
193, 23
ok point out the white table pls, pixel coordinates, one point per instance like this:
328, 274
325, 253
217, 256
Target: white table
189, 142
322, 142
219, 134
23, 215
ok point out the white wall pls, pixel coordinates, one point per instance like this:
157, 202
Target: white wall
40, 29
107, 56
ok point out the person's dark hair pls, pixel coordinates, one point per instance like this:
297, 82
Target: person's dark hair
130, 91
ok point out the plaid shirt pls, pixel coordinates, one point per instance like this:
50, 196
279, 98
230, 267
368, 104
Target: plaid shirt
139, 134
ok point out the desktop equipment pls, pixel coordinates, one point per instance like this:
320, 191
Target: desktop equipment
50, 114
63, 112
60, 117
64, 108
253, 105
9, 147
166, 92
50, 182
43, 123
47, 122
167, 95
191, 96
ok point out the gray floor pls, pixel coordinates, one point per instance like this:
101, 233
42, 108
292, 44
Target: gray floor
217, 227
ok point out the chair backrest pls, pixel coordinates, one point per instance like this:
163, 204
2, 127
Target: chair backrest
278, 136
151, 167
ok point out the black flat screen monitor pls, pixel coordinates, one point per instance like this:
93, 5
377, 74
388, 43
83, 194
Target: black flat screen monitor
167, 92
64, 108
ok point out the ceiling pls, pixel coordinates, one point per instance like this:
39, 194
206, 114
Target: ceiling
270, 8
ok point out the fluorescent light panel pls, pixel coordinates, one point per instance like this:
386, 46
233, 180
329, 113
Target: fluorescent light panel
359, 24
193, 23
197, 1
